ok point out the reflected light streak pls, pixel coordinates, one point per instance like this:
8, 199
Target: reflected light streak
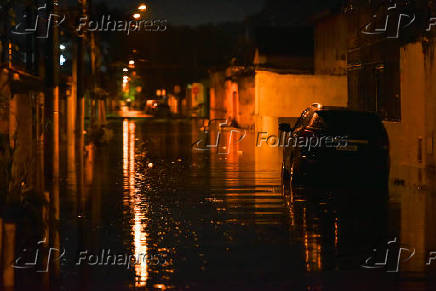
312, 246
125, 148
138, 232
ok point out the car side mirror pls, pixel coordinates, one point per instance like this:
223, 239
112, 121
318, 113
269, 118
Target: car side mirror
286, 127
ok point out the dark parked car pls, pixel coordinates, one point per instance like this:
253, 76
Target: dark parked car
335, 145
162, 110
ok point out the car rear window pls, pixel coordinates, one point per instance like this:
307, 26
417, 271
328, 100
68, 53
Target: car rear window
351, 122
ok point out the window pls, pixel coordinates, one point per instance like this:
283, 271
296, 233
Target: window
376, 87
387, 95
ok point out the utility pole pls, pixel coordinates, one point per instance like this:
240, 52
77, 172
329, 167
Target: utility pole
92, 58
52, 129
80, 105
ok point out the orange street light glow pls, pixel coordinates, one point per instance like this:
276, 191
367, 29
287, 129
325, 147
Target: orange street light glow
142, 7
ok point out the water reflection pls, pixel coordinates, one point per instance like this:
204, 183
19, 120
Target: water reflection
134, 202
202, 217
312, 246
337, 226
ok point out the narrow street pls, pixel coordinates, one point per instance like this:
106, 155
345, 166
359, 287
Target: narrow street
217, 145
140, 193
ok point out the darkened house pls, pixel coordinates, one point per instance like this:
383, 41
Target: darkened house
279, 50
21, 111
390, 70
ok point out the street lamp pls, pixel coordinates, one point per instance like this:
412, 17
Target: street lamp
125, 82
62, 60
141, 9
131, 64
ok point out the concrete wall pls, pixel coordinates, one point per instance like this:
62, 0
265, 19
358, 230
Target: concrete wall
232, 98
217, 95
287, 95
273, 95
21, 134
429, 50
5, 95
246, 101
412, 139
331, 44
172, 103
22, 139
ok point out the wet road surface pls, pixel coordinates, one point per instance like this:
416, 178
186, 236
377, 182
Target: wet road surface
206, 220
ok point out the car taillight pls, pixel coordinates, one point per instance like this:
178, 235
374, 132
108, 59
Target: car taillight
306, 133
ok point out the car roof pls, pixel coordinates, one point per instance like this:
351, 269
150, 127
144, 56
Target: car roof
340, 108
332, 108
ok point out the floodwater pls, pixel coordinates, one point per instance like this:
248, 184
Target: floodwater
156, 211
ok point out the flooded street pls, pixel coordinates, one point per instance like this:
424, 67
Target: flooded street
217, 145
200, 217
217, 219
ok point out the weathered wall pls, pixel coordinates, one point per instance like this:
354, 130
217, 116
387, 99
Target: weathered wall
172, 103
270, 94
429, 50
5, 96
217, 95
21, 136
331, 44
246, 101
412, 139
232, 98
279, 95
287, 95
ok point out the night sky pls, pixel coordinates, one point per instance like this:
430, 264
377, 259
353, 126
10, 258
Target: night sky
193, 12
